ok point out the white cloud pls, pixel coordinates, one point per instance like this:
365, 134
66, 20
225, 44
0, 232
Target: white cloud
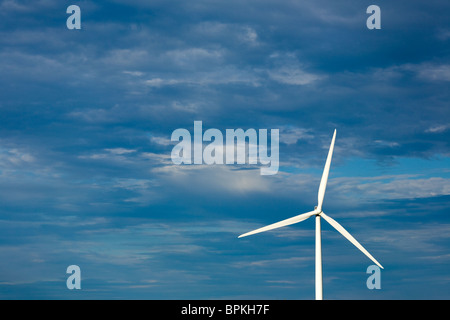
427, 71
421, 239
391, 144
157, 157
390, 187
134, 73
293, 75
158, 82
209, 179
216, 75
164, 141
290, 135
443, 34
120, 151
218, 31
438, 128
194, 56
288, 70
14, 156
127, 57
249, 36
114, 154
435, 72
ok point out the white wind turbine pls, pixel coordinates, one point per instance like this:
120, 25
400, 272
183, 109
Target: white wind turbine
318, 213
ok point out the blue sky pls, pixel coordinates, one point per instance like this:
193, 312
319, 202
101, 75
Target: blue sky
86, 118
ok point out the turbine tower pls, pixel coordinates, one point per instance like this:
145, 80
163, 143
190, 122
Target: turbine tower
318, 213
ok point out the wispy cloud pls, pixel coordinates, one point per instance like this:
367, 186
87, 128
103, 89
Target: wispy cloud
391, 187
438, 128
85, 126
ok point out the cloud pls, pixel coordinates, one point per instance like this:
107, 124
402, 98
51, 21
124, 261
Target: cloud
293, 76
219, 76
14, 157
421, 239
290, 135
164, 141
438, 129
213, 179
288, 70
119, 151
189, 57
391, 187
134, 73
389, 144
85, 166
430, 71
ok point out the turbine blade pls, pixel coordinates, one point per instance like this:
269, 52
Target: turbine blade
282, 223
326, 170
349, 237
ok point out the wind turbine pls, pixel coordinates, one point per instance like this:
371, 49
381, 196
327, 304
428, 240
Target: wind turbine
318, 213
